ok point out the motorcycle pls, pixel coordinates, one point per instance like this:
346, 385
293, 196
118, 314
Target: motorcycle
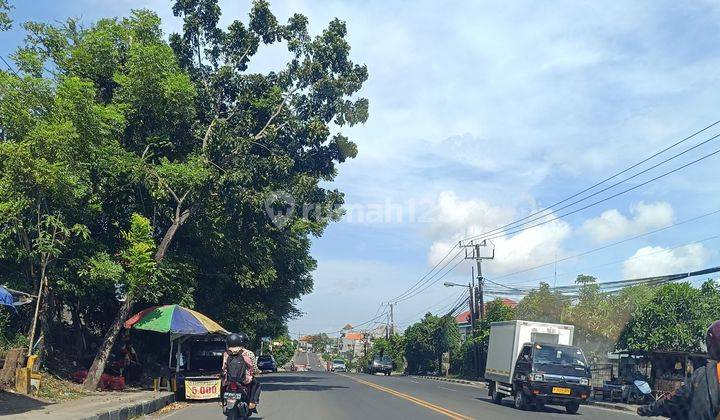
235, 405
639, 392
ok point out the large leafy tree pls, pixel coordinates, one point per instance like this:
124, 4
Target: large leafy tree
427, 340
676, 318
542, 305
464, 362
393, 346
590, 316
260, 134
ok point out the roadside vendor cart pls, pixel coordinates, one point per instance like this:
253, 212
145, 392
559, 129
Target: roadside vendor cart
666, 370
204, 344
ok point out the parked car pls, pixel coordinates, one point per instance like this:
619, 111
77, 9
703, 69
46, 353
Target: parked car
266, 363
338, 365
382, 364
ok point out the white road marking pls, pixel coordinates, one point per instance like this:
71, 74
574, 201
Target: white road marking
449, 389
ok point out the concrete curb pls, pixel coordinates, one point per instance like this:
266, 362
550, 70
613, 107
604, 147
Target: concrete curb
453, 380
135, 409
613, 406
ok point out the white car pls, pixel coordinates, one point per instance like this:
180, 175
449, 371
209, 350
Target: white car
338, 365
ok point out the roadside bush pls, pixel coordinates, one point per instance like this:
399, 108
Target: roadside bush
284, 352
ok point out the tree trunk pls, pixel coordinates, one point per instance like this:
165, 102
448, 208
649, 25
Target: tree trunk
45, 319
78, 330
169, 235
98, 366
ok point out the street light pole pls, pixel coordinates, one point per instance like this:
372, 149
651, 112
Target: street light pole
473, 317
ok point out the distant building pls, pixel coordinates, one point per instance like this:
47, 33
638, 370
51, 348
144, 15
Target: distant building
378, 332
352, 344
304, 342
463, 319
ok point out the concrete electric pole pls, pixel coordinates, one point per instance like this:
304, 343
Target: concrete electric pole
476, 255
392, 320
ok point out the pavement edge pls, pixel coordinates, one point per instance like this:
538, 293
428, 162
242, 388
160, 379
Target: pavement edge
482, 385
135, 409
613, 406
453, 380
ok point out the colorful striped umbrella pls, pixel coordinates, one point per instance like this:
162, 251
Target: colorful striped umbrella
174, 319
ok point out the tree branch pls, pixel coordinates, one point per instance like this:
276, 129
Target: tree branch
206, 138
279, 109
164, 184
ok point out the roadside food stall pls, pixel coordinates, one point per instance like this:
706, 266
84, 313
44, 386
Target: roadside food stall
665, 370
204, 345
670, 369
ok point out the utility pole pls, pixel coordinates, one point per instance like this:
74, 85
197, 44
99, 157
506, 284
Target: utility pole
473, 318
476, 255
392, 320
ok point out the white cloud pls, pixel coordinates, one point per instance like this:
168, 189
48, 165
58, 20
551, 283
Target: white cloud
456, 219
611, 224
651, 261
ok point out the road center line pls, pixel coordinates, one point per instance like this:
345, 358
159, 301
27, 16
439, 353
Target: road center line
449, 413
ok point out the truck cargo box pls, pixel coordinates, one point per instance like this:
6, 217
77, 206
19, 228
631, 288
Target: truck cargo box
507, 339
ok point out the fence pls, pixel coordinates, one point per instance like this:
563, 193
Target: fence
600, 374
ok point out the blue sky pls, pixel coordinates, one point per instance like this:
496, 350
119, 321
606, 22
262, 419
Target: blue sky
482, 112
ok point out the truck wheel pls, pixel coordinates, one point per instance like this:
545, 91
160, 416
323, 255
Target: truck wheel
496, 396
520, 400
572, 407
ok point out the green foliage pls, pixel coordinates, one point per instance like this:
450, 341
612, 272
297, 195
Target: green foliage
137, 256
542, 305
394, 346
320, 341
598, 317
463, 361
676, 318
5, 21
284, 352
128, 128
427, 340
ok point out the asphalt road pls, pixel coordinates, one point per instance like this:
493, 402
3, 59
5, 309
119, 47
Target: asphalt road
321, 395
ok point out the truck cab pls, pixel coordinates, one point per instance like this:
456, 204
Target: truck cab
551, 374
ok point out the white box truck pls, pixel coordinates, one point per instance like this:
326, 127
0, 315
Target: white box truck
536, 364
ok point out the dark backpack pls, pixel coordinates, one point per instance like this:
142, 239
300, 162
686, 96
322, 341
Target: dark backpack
236, 368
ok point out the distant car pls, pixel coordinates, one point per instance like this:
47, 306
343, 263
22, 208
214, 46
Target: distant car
382, 364
338, 365
266, 363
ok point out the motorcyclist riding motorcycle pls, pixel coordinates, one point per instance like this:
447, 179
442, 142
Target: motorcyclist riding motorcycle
699, 398
239, 370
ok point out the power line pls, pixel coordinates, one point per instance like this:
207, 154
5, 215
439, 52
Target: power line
582, 254
621, 284
399, 297
443, 307
521, 229
624, 260
428, 285
620, 182
492, 231
10, 68
355, 326
454, 310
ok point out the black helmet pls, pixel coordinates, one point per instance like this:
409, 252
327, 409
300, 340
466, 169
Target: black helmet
712, 340
238, 339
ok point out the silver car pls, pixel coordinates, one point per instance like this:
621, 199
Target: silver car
338, 365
